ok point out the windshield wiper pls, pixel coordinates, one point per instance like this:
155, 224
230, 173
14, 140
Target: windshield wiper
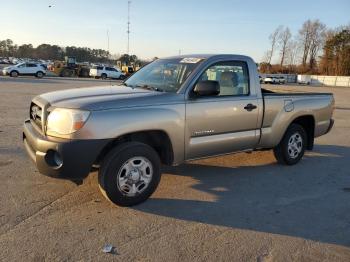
148, 87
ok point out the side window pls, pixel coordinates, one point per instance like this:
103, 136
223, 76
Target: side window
109, 69
22, 65
232, 76
31, 65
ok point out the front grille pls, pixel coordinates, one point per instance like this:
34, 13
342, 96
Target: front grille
36, 114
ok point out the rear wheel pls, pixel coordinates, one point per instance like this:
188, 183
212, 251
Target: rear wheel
39, 74
66, 72
292, 146
104, 76
14, 73
122, 77
129, 174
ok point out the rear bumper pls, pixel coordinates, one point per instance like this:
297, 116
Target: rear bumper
331, 124
61, 158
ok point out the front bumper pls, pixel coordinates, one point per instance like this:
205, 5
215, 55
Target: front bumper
76, 156
4, 72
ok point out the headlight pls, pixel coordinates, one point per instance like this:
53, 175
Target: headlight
66, 121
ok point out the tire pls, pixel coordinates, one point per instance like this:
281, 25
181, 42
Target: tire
14, 73
117, 181
39, 74
104, 76
122, 77
292, 146
66, 72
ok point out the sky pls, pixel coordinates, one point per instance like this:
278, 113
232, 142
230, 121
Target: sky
164, 28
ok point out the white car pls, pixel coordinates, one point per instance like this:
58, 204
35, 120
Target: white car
24, 69
281, 80
105, 72
269, 80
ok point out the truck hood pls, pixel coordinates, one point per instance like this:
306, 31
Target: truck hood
105, 97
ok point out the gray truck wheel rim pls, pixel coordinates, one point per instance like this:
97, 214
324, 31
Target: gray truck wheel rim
134, 176
295, 145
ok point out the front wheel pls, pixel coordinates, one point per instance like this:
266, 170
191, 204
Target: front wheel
14, 74
292, 146
129, 174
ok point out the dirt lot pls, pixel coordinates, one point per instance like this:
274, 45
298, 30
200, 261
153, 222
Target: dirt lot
241, 207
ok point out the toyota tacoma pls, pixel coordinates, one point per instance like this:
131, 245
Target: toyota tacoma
171, 111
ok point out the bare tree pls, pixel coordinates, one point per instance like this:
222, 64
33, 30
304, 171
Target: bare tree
312, 36
273, 40
318, 36
293, 49
284, 37
266, 56
305, 39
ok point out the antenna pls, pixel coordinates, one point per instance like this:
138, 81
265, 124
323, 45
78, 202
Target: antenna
128, 32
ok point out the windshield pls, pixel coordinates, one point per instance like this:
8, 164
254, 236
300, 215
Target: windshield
163, 74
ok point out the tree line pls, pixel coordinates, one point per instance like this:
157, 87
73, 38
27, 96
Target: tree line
315, 49
55, 52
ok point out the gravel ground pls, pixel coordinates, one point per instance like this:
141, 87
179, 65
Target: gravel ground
241, 207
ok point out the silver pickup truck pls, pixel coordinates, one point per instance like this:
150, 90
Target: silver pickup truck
172, 110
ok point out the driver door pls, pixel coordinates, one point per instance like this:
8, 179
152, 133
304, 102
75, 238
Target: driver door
222, 123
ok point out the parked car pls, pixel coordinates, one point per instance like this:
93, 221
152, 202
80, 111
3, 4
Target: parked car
4, 61
304, 79
269, 80
167, 113
280, 80
25, 69
105, 72
274, 80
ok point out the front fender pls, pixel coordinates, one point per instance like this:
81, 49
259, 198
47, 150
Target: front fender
114, 123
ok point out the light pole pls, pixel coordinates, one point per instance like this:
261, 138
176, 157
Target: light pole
128, 31
108, 43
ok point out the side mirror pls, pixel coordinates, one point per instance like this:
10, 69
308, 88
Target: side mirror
207, 88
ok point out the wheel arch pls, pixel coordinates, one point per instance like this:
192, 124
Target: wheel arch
14, 70
308, 123
159, 140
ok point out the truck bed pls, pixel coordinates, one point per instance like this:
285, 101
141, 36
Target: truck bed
280, 108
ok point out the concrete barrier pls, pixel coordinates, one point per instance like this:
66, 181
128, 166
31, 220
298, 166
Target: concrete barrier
317, 80
330, 80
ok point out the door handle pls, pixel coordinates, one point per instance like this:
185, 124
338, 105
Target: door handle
250, 107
